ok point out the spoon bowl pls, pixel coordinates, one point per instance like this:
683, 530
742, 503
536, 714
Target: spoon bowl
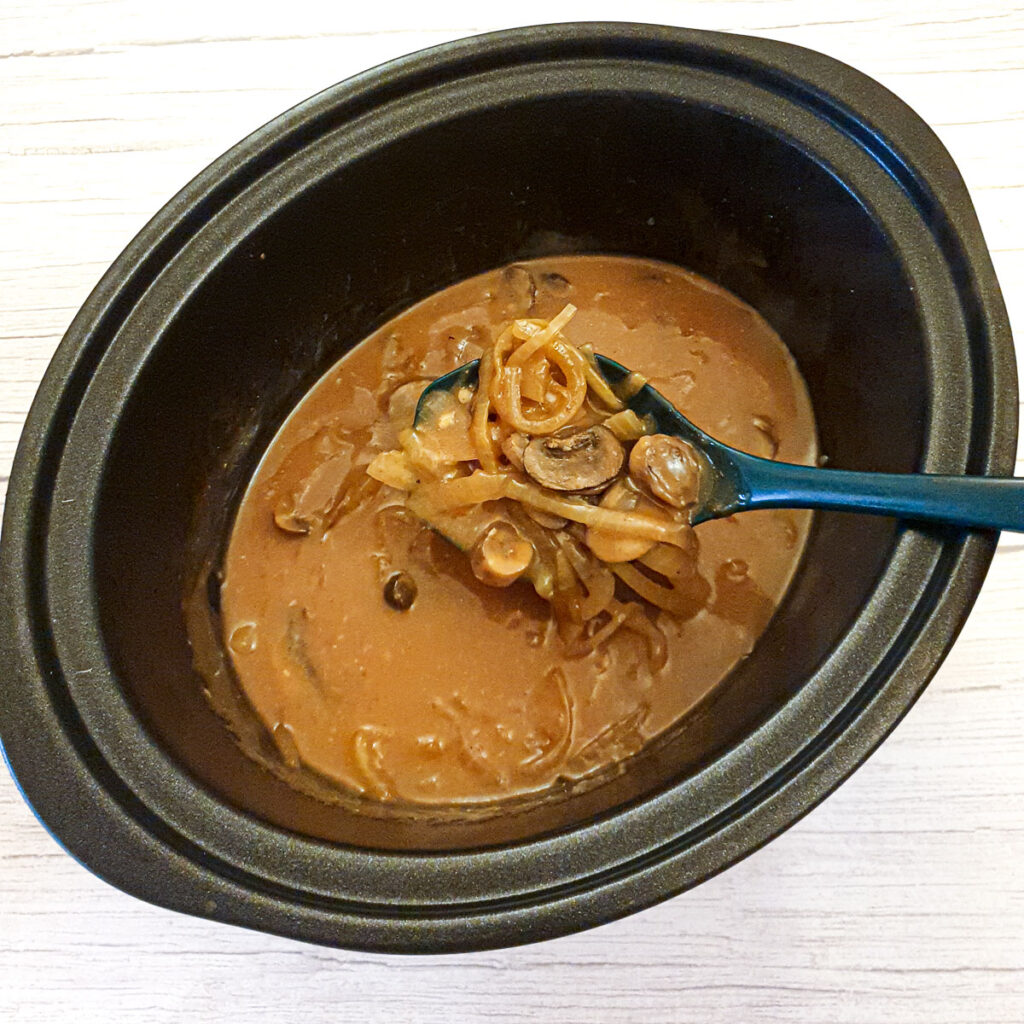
735, 481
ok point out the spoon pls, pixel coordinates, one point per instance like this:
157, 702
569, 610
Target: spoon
734, 481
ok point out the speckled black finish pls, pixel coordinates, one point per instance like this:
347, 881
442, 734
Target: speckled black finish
795, 181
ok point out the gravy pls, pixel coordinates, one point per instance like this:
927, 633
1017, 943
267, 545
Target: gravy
467, 693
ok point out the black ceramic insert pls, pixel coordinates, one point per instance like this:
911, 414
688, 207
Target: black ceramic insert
791, 179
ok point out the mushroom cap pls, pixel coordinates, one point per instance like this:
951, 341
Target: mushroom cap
574, 459
668, 467
517, 290
400, 591
500, 555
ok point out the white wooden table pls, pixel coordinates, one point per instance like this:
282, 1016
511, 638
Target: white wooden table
901, 899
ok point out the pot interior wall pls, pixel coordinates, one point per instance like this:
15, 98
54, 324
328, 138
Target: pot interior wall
612, 173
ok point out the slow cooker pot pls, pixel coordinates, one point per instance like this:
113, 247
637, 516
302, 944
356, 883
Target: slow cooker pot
789, 178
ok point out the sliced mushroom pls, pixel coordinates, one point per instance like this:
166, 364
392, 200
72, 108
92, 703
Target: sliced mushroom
501, 555
556, 284
668, 467
297, 645
311, 503
516, 291
400, 591
546, 519
609, 546
513, 447
575, 459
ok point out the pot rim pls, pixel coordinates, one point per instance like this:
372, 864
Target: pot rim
160, 854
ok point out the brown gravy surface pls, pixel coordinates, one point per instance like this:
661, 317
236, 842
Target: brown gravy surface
453, 701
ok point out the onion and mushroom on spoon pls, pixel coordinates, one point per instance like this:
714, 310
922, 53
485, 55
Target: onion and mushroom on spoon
545, 428
547, 462
538, 470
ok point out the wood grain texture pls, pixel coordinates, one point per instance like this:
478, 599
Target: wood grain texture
900, 899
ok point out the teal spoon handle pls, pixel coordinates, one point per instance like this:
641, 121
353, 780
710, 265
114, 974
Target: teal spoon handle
988, 502
738, 481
